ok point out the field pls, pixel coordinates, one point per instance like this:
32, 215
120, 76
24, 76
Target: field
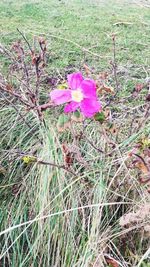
74, 192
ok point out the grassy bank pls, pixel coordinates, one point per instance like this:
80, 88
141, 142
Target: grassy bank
94, 212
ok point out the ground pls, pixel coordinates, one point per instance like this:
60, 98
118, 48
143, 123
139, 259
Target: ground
87, 23
94, 210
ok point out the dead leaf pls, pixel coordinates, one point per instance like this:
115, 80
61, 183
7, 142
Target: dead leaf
147, 230
142, 167
144, 180
135, 217
9, 87
112, 262
105, 89
103, 75
108, 89
107, 112
139, 87
42, 41
87, 70
111, 128
68, 156
148, 97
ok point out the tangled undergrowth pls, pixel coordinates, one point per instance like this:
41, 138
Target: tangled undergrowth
74, 191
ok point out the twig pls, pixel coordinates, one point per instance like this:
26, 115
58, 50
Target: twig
25, 68
23, 83
122, 23
25, 39
114, 66
44, 106
19, 97
57, 166
23, 119
37, 59
79, 46
93, 145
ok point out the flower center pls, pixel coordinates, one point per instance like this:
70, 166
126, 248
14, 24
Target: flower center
77, 95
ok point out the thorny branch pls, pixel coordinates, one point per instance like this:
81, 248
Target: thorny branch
19, 113
28, 97
8, 89
57, 166
31, 98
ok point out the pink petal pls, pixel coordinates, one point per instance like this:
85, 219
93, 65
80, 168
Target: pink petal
88, 88
74, 80
89, 107
60, 96
71, 107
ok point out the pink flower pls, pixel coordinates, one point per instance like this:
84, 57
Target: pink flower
80, 95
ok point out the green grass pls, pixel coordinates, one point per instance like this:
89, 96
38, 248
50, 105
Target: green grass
84, 22
60, 226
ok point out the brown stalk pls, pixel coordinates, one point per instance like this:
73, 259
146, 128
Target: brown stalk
114, 68
57, 166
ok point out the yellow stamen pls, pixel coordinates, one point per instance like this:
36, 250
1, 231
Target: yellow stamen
77, 95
